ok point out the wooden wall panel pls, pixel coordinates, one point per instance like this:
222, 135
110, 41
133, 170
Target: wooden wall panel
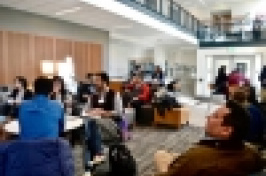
78, 59
44, 50
2, 72
5, 57
63, 49
27, 64
88, 63
22, 55
14, 53
96, 50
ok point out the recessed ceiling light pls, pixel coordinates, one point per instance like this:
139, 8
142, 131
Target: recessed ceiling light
202, 2
71, 10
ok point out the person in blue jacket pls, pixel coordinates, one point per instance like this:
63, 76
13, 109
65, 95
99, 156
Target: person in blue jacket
41, 117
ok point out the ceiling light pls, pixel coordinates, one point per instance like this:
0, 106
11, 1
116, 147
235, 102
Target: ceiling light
72, 10
202, 2
121, 9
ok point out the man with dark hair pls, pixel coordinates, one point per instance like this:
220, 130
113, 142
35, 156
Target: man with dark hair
104, 106
223, 153
86, 89
41, 117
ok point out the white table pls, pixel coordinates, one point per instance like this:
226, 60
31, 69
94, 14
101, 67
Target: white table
71, 123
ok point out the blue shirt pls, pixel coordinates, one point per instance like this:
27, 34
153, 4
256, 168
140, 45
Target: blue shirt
40, 118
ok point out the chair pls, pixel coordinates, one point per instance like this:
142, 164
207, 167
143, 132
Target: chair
174, 117
38, 157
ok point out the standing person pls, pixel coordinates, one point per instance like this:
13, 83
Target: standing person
18, 95
235, 80
262, 79
257, 23
220, 82
157, 75
41, 117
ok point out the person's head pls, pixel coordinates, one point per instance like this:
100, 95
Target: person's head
240, 96
222, 70
138, 67
58, 84
230, 122
89, 77
20, 83
101, 80
43, 86
137, 79
264, 69
158, 68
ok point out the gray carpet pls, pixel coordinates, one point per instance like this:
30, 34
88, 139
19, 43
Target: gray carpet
147, 141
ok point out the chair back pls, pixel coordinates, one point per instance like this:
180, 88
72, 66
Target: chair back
51, 157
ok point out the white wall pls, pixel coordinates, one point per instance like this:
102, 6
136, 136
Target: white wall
120, 54
203, 55
186, 57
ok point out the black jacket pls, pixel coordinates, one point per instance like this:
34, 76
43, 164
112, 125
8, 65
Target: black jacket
109, 101
27, 94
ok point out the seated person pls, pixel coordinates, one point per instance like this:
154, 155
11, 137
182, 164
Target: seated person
41, 117
174, 87
104, 105
86, 89
19, 93
255, 135
141, 94
157, 75
59, 92
222, 154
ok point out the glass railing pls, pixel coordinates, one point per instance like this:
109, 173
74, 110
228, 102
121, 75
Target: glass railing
234, 32
172, 12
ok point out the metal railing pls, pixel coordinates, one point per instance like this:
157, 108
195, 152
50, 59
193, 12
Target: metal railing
234, 32
171, 12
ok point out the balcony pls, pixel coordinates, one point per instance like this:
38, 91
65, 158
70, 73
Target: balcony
169, 12
237, 34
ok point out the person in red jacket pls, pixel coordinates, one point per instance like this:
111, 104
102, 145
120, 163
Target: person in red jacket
140, 93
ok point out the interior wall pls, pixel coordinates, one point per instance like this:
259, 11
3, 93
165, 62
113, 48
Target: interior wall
121, 53
21, 54
202, 62
19, 21
187, 57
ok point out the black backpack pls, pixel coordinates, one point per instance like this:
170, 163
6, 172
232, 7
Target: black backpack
121, 161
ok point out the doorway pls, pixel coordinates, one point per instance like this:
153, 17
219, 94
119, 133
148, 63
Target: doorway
245, 64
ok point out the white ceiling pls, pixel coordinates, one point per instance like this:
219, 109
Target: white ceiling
119, 27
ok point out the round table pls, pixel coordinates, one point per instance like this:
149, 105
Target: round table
71, 123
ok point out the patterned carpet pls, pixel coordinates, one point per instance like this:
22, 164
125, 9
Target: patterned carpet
147, 141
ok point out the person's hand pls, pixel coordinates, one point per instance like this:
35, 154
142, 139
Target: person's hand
106, 114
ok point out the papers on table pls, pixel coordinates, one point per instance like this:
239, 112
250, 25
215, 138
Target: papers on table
71, 123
